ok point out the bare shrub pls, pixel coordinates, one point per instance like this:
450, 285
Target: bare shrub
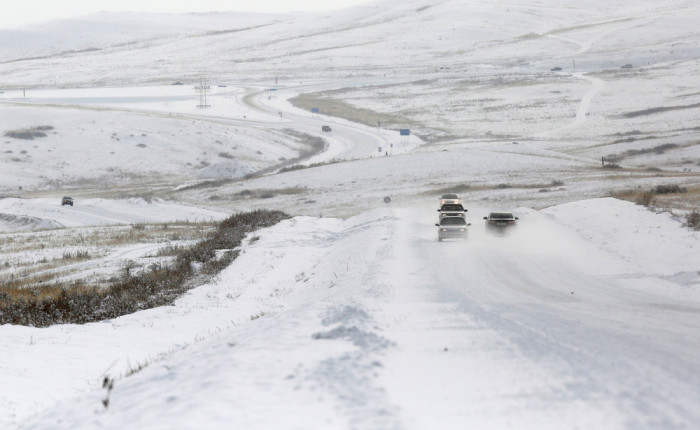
645, 198
641, 197
612, 158
669, 189
258, 315
25, 134
611, 166
244, 193
79, 255
294, 167
29, 133
455, 189
659, 149
269, 193
692, 220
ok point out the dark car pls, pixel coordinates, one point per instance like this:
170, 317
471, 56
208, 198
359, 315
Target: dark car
452, 228
67, 201
500, 220
326, 128
452, 210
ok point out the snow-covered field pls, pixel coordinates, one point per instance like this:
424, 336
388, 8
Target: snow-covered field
351, 314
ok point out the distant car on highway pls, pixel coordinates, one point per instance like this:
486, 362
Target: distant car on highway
500, 220
452, 210
449, 199
452, 228
326, 128
67, 201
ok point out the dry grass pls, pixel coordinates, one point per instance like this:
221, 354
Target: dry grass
460, 189
43, 259
664, 196
268, 193
692, 220
338, 108
641, 197
102, 236
453, 189
42, 305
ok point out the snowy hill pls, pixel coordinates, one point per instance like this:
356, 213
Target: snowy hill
351, 315
113, 30
453, 72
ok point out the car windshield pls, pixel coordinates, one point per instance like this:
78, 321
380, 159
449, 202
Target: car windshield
449, 196
452, 208
501, 215
453, 221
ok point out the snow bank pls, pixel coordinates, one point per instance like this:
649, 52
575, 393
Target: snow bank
252, 349
656, 242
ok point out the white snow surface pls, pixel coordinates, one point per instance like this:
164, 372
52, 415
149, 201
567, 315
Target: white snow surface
584, 316
371, 323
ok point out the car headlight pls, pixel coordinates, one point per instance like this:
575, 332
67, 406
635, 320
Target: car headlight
443, 229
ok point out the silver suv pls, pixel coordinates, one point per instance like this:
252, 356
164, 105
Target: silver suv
453, 227
452, 210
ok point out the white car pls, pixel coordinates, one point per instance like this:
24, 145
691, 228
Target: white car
451, 199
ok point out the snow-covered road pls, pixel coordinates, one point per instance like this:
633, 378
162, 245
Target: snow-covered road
249, 107
536, 328
373, 323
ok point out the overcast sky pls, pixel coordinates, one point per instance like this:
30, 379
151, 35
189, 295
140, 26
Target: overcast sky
18, 13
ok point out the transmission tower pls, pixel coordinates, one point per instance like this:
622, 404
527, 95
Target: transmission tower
203, 88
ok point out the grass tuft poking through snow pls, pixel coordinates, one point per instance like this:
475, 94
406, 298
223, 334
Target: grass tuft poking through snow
161, 284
